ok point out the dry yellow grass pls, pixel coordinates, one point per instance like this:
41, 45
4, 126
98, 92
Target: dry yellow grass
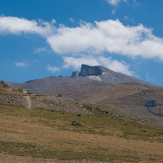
41, 134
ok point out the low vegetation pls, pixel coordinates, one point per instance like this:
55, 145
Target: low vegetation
40, 134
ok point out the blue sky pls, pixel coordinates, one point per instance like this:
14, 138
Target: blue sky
41, 38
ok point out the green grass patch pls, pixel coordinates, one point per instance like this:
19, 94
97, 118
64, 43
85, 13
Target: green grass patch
32, 150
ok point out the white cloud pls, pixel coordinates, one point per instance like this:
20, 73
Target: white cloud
115, 2
52, 68
111, 36
77, 62
104, 36
15, 25
94, 61
20, 64
71, 19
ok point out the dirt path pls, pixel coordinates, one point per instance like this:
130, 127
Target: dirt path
28, 102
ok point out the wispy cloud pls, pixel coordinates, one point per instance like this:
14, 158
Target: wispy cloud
149, 79
115, 2
39, 50
20, 64
129, 19
71, 19
135, 2
52, 68
54, 21
113, 12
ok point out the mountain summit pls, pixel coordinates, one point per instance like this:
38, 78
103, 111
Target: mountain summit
104, 75
90, 70
87, 75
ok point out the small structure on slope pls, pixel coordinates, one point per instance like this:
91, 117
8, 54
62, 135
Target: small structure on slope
151, 103
26, 91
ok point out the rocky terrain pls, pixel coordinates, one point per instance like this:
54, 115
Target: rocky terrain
53, 103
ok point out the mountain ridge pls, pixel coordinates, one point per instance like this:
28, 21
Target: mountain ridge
87, 75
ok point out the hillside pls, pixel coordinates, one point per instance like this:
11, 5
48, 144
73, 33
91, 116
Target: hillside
126, 98
93, 122
87, 75
40, 135
99, 86
10, 96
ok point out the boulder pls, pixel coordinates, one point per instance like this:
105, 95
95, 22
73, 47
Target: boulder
74, 123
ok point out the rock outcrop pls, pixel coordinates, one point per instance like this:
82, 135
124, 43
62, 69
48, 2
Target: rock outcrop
75, 74
3, 84
90, 70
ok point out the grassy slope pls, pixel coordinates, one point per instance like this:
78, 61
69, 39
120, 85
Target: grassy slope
36, 135
43, 134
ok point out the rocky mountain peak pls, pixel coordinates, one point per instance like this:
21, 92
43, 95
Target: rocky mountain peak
104, 75
87, 71
90, 70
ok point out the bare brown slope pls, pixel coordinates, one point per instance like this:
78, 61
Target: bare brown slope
116, 91
97, 92
80, 92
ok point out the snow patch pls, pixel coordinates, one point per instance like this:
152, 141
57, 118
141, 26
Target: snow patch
94, 78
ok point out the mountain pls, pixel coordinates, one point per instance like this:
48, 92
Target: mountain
104, 75
100, 87
87, 75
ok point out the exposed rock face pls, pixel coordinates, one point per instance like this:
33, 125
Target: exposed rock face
75, 74
90, 70
3, 84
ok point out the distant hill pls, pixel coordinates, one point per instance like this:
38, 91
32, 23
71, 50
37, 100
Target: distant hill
87, 75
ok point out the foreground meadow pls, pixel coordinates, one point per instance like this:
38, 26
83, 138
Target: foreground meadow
42, 135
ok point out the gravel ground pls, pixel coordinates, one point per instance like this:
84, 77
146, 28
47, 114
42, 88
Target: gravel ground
46, 102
